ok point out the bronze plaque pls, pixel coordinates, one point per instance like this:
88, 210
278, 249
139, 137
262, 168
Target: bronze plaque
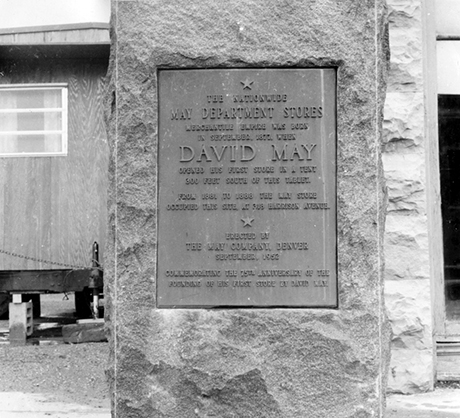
247, 188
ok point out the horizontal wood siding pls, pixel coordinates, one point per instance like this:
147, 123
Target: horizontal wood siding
54, 208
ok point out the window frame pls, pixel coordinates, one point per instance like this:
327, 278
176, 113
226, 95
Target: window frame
63, 88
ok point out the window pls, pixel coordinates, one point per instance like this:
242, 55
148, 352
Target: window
33, 120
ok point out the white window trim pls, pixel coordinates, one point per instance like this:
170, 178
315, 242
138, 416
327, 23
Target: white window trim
63, 87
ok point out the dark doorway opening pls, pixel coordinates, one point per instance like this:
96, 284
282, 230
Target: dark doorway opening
449, 159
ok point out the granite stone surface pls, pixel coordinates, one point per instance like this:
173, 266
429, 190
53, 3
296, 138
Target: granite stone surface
223, 363
407, 254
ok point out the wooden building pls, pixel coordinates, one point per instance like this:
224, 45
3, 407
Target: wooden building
53, 154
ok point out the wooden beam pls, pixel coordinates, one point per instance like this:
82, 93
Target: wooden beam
44, 281
56, 28
69, 37
90, 332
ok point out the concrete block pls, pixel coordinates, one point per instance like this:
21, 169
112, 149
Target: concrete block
21, 322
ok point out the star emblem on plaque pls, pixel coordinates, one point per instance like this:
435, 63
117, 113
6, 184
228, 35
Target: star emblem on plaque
247, 221
247, 84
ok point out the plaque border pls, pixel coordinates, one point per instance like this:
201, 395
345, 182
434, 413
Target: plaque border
335, 305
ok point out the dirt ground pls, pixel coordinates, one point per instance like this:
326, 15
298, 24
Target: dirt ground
68, 372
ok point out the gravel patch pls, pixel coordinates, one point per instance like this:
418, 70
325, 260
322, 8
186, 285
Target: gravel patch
74, 373
66, 372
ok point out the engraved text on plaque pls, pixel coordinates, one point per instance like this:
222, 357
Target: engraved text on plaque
247, 188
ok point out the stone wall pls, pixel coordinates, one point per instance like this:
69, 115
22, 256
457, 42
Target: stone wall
407, 259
